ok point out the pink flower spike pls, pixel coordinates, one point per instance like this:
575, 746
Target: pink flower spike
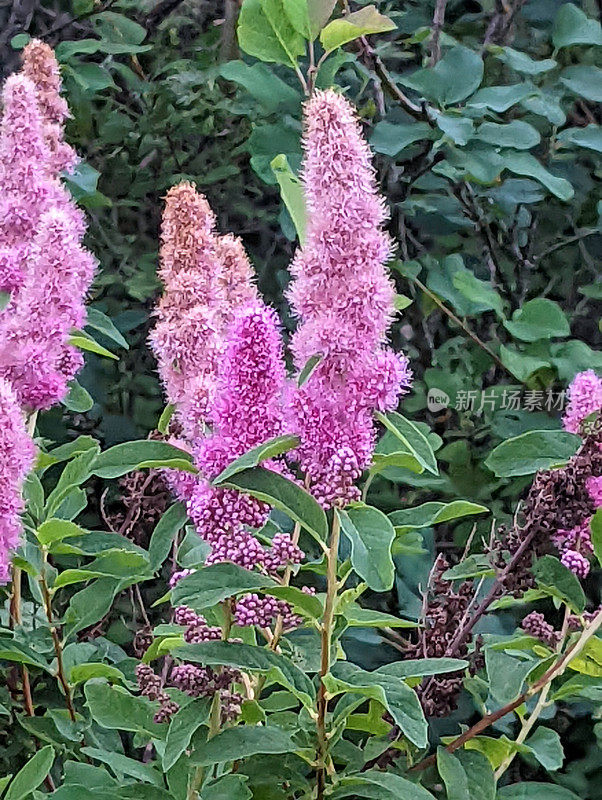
343, 298
16, 459
585, 398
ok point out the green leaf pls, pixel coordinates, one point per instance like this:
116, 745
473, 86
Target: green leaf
522, 366
506, 674
85, 342
584, 81
306, 604
371, 535
391, 138
76, 472
228, 787
165, 530
115, 708
112, 564
526, 164
538, 319
251, 658
478, 291
308, 17
100, 322
572, 26
145, 453
521, 62
429, 514
264, 31
31, 775
453, 775
456, 76
481, 780
475, 566
270, 449
210, 585
358, 617
241, 742
80, 673
291, 190
546, 747
501, 98
91, 604
78, 400
517, 134
397, 697
182, 727
379, 786
532, 451
21, 653
122, 764
55, 530
533, 790
560, 582
165, 418
310, 365
262, 84
359, 23
412, 437
420, 667
458, 129
596, 529
283, 494
382, 461
589, 137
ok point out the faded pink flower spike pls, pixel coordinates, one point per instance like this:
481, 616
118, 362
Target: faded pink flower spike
41, 67
16, 459
344, 301
206, 277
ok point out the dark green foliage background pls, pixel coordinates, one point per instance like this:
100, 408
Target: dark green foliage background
177, 101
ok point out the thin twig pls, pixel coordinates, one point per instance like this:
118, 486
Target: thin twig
460, 324
438, 20
555, 671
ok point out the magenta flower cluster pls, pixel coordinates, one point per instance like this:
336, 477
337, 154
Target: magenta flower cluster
344, 301
42, 261
221, 357
43, 268
17, 453
585, 398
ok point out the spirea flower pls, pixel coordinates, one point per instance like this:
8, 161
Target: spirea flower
535, 625
16, 459
186, 336
206, 277
344, 301
41, 67
594, 488
35, 355
246, 411
576, 562
27, 185
585, 398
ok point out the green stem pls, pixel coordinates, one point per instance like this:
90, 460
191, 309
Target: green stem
56, 639
528, 723
326, 636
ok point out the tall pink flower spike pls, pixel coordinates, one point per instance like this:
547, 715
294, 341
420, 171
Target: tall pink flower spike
585, 398
40, 234
205, 277
344, 301
16, 459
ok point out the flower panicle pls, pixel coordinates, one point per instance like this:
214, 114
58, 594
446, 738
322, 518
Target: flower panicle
343, 298
17, 454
